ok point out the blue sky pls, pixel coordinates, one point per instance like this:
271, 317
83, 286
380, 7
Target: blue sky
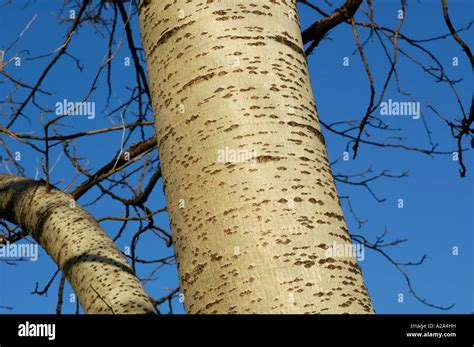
438, 204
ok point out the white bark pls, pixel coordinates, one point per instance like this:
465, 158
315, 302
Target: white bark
98, 272
249, 237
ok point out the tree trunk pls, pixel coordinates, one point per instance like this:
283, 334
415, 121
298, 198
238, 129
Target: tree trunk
251, 197
99, 274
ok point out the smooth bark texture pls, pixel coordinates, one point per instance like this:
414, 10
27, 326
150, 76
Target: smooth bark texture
98, 272
250, 234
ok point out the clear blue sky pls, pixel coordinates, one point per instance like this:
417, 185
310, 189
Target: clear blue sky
438, 204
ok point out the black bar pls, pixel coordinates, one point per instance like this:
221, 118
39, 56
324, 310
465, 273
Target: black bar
246, 329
